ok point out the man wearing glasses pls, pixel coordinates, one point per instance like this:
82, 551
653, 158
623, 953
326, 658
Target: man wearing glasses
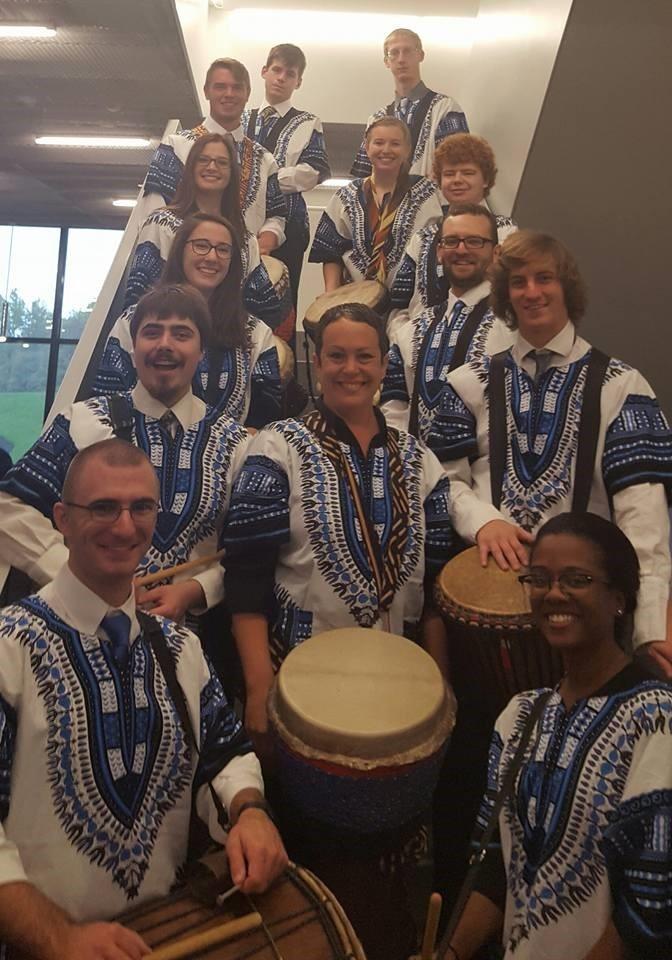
551, 425
194, 455
442, 338
97, 765
430, 116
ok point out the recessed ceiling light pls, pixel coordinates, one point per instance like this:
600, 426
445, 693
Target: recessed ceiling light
121, 202
25, 31
335, 182
128, 143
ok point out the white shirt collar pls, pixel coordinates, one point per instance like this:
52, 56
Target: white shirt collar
80, 607
213, 127
280, 108
471, 297
188, 410
561, 343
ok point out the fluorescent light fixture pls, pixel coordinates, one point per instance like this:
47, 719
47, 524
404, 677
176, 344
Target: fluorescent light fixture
334, 183
124, 202
352, 29
127, 143
25, 31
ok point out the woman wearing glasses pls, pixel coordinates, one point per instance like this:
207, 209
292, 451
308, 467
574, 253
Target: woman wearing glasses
239, 374
366, 226
210, 184
585, 868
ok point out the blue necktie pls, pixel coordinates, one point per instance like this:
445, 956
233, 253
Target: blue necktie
458, 307
267, 116
404, 108
118, 628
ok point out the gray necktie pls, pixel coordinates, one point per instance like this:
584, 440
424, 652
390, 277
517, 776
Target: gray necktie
169, 423
404, 107
542, 361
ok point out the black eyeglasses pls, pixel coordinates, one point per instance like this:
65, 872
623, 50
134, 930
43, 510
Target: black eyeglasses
109, 511
471, 243
569, 581
203, 247
220, 162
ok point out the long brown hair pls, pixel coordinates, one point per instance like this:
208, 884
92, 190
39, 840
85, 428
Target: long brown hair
184, 202
229, 316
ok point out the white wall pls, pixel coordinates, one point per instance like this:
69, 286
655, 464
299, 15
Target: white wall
515, 46
346, 78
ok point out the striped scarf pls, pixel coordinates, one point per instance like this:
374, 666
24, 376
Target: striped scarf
386, 565
381, 220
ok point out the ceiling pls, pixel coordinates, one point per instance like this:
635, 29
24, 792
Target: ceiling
114, 67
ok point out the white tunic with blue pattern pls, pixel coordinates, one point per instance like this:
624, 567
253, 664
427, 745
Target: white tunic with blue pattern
588, 838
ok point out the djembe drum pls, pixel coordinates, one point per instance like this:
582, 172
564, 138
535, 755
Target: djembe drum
362, 720
369, 292
496, 650
281, 296
297, 919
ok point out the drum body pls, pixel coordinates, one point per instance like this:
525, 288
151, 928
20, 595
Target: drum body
496, 650
301, 921
362, 720
369, 292
281, 296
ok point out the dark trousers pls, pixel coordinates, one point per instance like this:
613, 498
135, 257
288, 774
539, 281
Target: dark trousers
291, 253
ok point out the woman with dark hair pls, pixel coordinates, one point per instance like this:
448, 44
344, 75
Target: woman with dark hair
367, 224
239, 374
585, 868
210, 184
336, 522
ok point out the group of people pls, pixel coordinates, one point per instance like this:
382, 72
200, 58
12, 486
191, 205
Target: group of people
472, 412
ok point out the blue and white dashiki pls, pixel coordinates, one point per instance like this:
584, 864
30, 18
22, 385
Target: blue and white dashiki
633, 463
588, 838
344, 234
249, 377
294, 549
444, 117
412, 346
96, 775
195, 468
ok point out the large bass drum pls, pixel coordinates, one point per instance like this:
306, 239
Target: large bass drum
496, 650
297, 919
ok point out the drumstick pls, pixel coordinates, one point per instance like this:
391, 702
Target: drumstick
431, 926
171, 572
188, 946
223, 897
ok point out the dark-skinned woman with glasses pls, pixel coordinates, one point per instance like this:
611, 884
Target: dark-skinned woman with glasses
239, 374
210, 184
585, 867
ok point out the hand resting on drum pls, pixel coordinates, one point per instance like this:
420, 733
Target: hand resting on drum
506, 542
255, 850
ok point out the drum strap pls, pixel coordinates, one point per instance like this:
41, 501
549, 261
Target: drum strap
386, 565
437, 287
419, 114
121, 415
152, 630
482, 840
589, 427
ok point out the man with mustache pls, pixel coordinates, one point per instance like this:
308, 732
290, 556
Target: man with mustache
194, 456
424, 351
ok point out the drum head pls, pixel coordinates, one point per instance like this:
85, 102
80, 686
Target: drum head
277, 271
362, 694
464, 585
369, 292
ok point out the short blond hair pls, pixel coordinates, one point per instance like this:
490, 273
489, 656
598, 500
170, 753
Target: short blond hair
402, 31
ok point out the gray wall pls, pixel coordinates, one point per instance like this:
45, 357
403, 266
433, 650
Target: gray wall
598, 175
